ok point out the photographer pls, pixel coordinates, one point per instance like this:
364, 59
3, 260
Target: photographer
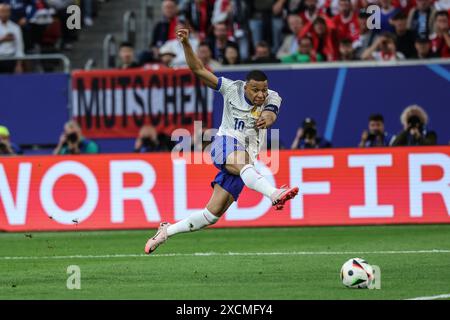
150, 141
376, 136
73, 142
307, 137
7, 148
415, 133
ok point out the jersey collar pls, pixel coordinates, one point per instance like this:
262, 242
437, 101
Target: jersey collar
248, 101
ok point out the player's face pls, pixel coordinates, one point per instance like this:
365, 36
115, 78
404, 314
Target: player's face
256, 91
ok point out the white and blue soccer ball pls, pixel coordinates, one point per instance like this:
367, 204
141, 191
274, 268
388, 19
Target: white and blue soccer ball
357, 273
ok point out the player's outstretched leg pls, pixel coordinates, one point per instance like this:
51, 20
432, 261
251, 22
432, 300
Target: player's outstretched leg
238, 163
217, 206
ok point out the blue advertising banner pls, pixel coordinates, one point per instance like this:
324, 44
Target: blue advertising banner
34, 107
341, 99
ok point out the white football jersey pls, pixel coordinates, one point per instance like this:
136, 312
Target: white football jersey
240, 116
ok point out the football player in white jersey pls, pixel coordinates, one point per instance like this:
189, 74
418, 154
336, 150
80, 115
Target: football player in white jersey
249, 108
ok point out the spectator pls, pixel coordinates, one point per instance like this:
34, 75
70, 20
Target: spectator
18, 11
311, 11
166, 57
421, 18
304, 54
205, 55
376, 135
240, 11
386, 14
175, 46
307, 137
333, 6
440, 39
165, 29
263, 54
149, 56
415, 132
366, 36
404, 37
323, 38
73, 142
88, 8
346, 22
219, 40
40, 16
277, 24
232, 55
149, 140
6, 146
423, 49
265, 21
290, 42
199, 13
126, 56
68, 36
383, 49
11, 42
346, 51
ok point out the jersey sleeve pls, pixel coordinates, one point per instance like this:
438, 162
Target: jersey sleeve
273, 103
224, 85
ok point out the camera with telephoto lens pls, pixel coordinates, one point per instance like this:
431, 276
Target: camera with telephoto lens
310, 132
3, 147
147, 142
72, 137
374, 134
415, 122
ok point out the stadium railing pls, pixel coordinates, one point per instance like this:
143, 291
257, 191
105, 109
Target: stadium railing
43, 57
109, 51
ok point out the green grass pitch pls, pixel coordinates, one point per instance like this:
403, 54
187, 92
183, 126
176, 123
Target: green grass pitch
274, 263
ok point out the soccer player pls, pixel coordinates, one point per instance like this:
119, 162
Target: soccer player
249, 106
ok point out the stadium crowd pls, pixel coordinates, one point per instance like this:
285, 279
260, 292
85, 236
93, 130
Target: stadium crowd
231, 32
38, 27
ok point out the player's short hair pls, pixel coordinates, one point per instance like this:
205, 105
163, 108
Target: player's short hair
256, 75
376, 117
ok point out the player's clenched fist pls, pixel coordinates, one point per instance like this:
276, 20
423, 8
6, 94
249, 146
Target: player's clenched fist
182, 35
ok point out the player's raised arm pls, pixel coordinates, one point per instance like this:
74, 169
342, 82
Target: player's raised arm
194, 62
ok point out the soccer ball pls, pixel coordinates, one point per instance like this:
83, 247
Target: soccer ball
357, 273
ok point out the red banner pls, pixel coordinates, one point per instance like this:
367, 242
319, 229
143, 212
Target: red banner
116, 103
337, 187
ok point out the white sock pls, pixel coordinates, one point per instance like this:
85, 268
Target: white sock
255, 181
194, 222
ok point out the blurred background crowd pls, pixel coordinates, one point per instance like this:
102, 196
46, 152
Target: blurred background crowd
231, 32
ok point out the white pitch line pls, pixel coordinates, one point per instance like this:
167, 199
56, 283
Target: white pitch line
441, 296
225, 254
